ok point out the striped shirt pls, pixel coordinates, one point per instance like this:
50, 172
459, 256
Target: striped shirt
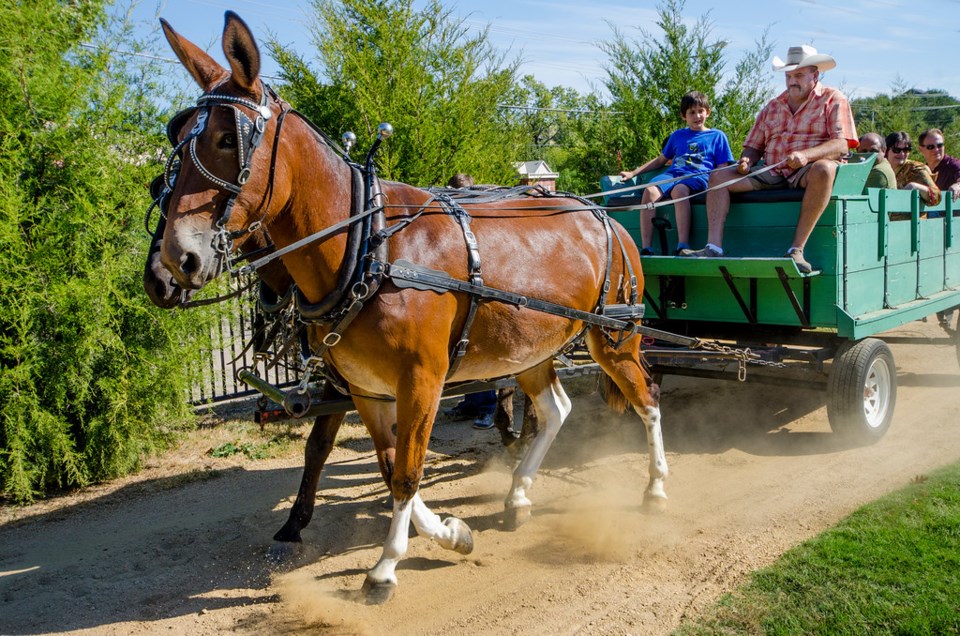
824, 116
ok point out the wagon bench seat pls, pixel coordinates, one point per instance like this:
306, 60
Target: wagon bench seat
722, 267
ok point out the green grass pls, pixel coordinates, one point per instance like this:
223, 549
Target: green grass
892, 567
274, 447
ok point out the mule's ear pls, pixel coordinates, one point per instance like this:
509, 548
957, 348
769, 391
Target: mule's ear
205, 70
241, 51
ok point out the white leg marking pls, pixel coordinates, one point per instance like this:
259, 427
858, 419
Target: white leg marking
552, 407
451, 533
658, 458
395, 546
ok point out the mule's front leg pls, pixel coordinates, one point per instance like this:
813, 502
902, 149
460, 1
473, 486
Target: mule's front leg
318, 447
381, 581
418, 397
451, 533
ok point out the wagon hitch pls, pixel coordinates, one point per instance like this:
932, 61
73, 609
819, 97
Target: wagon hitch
296, 402
696, 347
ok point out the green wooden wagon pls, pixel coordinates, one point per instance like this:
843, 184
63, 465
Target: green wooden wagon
881, 257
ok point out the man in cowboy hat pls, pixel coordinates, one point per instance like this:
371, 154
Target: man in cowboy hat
802, 133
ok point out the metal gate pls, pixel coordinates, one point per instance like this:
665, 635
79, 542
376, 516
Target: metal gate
238, 319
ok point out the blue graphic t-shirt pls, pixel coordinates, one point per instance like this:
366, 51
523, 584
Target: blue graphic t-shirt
696, 151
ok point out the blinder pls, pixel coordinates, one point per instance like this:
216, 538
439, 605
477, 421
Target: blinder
177, 122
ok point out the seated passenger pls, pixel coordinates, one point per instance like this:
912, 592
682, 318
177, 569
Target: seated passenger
945, 169
911, 175
881, 174
692, 153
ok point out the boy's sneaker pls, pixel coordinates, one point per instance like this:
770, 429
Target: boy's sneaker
484, 422
646, 252
707, 252
797, 256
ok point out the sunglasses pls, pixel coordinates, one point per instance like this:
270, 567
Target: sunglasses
897, 151
933, 146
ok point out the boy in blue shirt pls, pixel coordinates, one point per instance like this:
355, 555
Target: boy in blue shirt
694, 152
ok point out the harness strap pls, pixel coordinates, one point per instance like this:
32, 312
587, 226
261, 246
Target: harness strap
473, 266
406, 274
633, 277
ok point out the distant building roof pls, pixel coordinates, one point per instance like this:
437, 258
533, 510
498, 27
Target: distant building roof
535, 170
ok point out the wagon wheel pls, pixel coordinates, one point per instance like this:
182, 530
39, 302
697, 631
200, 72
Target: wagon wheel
956, 339
862, 390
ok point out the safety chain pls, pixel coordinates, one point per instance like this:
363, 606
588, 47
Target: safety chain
743, 357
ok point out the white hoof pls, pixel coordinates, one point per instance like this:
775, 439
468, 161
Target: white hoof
653, 504
514, 517
375, 593
462, 540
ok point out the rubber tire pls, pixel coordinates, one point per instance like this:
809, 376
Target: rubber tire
862, 391
956, 338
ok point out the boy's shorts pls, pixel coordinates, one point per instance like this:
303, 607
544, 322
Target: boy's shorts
770, 180
696, 183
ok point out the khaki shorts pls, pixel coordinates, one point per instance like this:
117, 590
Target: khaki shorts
770, 180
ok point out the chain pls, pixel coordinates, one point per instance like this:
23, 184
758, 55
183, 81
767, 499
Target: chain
743, 357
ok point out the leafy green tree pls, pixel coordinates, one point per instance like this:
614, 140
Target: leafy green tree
419, 70
911, 110
90, 377
592, 145
545, 117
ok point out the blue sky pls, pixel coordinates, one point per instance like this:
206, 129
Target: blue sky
875, 42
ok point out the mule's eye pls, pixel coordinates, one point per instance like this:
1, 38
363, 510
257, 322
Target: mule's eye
229, 140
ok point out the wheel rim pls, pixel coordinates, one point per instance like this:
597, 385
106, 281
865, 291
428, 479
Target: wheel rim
876, 393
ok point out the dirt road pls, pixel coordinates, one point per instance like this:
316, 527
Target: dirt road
754, 470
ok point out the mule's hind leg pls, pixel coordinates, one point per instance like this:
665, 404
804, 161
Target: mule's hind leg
622, 366
552, 407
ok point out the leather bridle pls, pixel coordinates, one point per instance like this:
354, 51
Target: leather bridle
250, 133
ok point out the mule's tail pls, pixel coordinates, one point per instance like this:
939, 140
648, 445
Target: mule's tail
616, 400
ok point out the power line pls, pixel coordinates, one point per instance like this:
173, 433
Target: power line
156, 58
579, 111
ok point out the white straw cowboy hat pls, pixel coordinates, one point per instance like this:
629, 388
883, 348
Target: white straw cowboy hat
805, 55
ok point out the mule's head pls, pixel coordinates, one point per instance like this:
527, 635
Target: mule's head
223, 146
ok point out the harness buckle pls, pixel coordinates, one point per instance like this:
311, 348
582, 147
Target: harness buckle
222, 242
360, 290
243, 176
331, 339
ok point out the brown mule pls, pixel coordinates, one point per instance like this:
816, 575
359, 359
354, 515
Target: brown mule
399, 345
164, 292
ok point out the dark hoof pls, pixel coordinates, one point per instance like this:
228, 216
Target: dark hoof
284, 552
377, 593
513, 518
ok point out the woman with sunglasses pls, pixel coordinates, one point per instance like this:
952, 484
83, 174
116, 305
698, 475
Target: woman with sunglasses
911, 175
945, 169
